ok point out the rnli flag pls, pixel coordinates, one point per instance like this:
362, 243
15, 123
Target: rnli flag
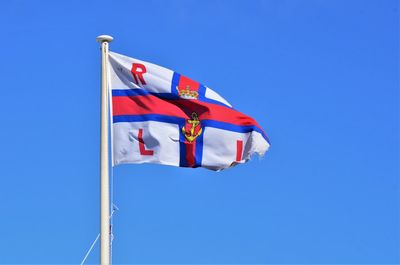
160, 116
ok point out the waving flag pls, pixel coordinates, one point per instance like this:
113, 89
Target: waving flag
160, 116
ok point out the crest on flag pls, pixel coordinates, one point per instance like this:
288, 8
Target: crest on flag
192, 128
187, 93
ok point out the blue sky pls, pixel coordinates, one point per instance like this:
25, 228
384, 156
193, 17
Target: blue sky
321, 77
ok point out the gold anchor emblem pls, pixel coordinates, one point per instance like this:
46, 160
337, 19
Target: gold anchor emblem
192, 128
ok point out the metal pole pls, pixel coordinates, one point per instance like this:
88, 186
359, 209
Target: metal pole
104, 179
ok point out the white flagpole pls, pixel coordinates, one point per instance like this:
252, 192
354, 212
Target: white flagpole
104, 179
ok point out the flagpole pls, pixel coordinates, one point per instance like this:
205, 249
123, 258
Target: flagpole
104, 178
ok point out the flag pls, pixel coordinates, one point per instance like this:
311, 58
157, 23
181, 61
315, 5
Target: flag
160, 116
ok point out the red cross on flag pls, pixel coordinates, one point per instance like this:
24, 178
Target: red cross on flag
160, 116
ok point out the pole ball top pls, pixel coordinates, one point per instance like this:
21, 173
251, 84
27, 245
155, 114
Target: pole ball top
104, 38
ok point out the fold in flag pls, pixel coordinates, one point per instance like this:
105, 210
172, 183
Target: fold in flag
160, 116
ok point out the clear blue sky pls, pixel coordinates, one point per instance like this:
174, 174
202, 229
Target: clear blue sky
321, 77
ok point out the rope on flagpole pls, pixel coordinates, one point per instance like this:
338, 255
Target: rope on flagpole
113, 209
97, 238
90, 249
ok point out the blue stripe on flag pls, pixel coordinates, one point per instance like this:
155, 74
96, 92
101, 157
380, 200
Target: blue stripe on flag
148, 117
181, 122
216, 102
169, 96
202, 92
175, 83
199, 149
234, 127
130, 92
141, 92
182, 149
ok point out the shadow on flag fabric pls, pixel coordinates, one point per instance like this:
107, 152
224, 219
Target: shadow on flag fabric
162, 117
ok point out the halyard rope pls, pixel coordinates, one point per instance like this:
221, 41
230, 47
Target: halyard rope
90, 249
97, 238
113, 209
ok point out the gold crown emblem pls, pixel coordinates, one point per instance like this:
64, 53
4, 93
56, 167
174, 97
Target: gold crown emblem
187, 93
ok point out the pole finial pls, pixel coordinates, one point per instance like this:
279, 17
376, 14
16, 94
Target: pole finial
104, 38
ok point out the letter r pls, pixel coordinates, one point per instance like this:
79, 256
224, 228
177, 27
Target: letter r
137, 71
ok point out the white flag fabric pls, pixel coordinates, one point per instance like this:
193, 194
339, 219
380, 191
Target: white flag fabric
162, 117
